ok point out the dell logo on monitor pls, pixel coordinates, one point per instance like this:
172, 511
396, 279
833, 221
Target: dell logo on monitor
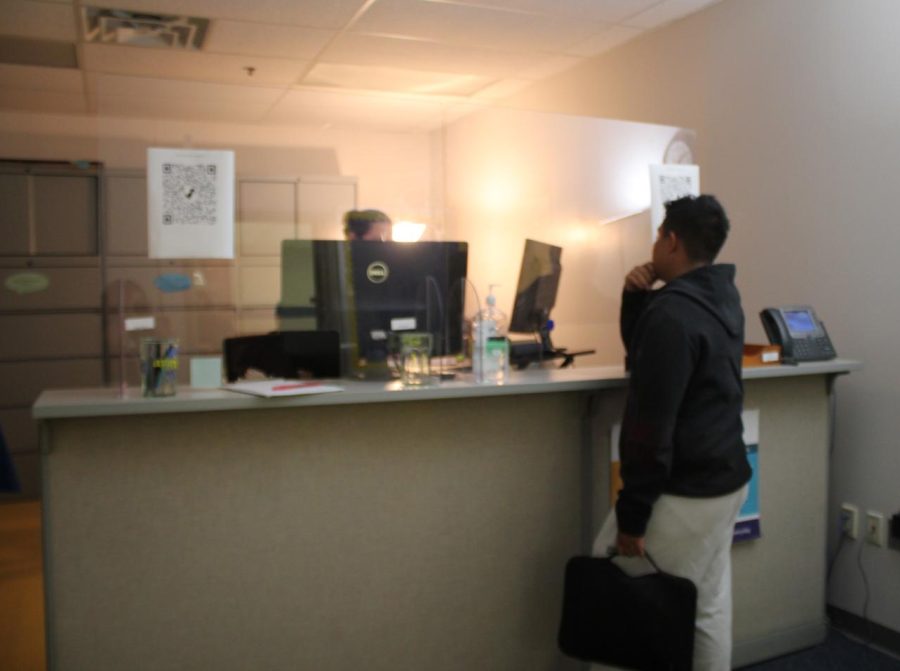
377, 272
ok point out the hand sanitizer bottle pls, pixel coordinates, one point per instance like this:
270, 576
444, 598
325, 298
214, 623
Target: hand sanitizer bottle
490, 355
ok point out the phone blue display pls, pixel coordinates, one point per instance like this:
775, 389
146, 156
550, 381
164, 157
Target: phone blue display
799, 321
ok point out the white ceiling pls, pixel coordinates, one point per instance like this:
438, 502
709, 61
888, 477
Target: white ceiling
388, 64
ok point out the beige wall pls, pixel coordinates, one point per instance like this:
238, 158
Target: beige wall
512, 175
797, 108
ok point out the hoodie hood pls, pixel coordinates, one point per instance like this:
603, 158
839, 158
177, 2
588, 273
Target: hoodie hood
712, 287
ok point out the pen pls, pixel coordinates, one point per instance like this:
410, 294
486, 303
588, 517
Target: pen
155, 370
295, 385
169, 373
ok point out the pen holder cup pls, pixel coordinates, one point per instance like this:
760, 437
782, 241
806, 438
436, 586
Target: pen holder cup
159, 366
415, 359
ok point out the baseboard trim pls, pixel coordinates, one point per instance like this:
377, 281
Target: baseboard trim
866, 630
777, 644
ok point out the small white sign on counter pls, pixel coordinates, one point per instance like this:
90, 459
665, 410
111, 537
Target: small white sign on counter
140, 323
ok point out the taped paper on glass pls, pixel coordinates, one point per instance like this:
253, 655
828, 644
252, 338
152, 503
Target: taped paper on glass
670, 182
190, 203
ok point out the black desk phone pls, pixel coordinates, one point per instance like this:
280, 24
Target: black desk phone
799, 332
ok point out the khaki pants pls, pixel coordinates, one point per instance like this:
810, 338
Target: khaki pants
691, 537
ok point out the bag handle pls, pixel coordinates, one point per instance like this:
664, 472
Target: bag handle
611, 552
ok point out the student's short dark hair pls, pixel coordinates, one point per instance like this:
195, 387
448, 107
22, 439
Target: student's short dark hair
700, 223
358, 222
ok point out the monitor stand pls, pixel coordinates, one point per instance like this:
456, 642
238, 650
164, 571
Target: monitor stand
522, 354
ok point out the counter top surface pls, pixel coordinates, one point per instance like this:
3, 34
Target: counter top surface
107, 401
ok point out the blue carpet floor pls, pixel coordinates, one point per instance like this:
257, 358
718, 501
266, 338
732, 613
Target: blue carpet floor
837, 653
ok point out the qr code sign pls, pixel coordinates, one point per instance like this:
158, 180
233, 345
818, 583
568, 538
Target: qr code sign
673, 187
189, 194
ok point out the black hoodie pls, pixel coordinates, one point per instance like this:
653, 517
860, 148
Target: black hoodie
682, 431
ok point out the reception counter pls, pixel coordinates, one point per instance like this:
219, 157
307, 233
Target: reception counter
381, 527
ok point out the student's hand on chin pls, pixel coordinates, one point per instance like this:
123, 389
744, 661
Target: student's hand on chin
641, 278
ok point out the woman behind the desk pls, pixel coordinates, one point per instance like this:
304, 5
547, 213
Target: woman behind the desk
367, 225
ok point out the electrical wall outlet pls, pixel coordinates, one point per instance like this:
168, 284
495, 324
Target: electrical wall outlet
850, 521
874, 528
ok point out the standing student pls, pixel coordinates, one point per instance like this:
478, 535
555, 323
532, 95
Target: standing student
367, 225
684, 463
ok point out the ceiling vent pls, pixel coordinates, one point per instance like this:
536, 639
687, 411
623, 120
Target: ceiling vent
122, 27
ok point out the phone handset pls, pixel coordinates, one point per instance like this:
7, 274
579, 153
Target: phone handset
798, 331
776, 332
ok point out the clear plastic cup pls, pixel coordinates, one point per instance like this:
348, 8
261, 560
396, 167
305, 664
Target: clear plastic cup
415, 359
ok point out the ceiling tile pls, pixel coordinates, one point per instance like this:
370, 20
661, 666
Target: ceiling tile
549, 66
601, 42
193, 110
39, 52
425, 55
385, 78
48, 102
102, 86
429, 53
312, 13
502, 89
610, 11
474, 26
44, 20
266, 39
302, 107
198, 66
667, 11
59, 80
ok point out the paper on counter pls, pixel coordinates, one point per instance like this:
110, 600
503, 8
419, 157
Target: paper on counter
277, 387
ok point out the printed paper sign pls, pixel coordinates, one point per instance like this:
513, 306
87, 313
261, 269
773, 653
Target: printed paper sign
670, 182
190, 203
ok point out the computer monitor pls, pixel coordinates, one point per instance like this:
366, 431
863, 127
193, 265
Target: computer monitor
538, 284
369, 290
